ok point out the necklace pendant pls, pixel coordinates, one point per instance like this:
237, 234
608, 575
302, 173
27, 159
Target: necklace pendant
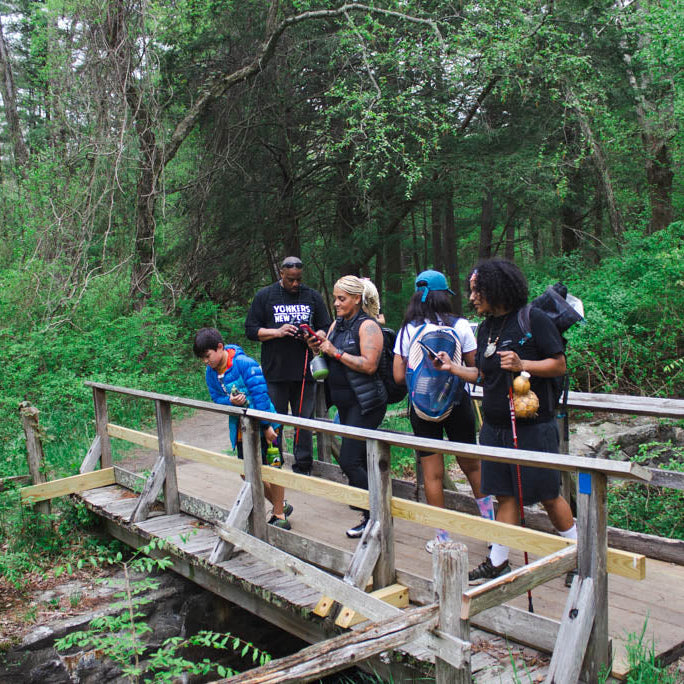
490, 349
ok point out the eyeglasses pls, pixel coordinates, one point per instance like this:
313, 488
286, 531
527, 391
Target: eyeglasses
292, 264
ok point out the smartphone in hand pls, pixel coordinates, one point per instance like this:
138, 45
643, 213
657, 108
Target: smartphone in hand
431, 354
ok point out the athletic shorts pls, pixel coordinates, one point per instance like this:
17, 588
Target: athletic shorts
459, 425
264, 447
500, 479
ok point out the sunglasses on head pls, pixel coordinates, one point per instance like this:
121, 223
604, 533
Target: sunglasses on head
292, 264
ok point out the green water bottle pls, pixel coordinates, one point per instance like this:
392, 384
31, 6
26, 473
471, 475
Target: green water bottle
234, 391
273, 457
319, 368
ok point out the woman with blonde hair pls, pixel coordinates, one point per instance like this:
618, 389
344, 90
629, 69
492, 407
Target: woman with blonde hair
354, 345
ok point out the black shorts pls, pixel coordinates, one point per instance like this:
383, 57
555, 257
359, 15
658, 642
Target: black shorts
459, 425
500, 479
264, 447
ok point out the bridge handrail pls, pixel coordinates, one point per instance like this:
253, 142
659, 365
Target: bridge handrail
660, 407
617, 469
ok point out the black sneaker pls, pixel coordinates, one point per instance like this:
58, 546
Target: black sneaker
287, 509
485, 571
357, 530
570, 577
282, 523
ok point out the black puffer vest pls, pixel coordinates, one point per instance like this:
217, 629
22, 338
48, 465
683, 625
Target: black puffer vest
369, 390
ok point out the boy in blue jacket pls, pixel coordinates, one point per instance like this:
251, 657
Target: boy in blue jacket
236, 379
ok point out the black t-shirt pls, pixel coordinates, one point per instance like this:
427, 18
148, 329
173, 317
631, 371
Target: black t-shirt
505, 330
282, 359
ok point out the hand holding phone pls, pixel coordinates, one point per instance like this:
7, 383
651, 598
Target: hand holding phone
431, 354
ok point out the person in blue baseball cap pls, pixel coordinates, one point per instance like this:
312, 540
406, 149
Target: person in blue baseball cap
430, 307
431, 281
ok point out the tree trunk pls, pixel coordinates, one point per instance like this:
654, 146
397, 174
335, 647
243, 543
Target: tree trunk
416, 251
601, 164
437, 237
511, 210
535, 240
9, 98
451, 252
486, 225
656, 132
659, 175
393, 259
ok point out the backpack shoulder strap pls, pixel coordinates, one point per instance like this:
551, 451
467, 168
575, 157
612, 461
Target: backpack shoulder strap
524, 323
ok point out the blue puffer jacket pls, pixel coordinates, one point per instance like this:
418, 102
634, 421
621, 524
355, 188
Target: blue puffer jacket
245, 374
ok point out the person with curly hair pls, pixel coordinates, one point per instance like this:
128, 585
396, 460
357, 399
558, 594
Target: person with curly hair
498, 290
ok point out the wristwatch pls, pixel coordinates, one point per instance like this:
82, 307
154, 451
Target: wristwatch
338, 354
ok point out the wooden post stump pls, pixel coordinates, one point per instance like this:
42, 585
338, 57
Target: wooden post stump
34, 451
101, 420
450, 570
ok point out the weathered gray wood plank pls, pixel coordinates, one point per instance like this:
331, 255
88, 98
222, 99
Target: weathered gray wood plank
92, 457
101, 420
238, 517
165, 438
337, 654
450, 571
380, 504
504, 588
573, 636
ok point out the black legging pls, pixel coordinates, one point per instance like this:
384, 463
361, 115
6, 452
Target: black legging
352, 458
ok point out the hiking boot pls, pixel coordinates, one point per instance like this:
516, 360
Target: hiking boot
570, 577
357, 530
282, 523
485, 571
287, 509
440, 538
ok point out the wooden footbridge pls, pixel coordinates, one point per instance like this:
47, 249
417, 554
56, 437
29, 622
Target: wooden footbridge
383, 602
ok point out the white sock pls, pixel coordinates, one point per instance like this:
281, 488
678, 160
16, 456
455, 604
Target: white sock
569, 534
498, 554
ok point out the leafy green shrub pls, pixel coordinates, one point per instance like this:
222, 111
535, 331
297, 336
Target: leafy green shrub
119, 636
653, 510
634, 306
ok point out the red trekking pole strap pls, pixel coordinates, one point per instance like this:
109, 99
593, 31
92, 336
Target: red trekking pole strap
301, 395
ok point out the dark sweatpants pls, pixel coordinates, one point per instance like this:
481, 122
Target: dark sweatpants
352, 459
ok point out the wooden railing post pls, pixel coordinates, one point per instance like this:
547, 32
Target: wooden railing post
450, 571
251, 449
323, 439
380, 498
165, 435
101, 420
592, 549
34, 450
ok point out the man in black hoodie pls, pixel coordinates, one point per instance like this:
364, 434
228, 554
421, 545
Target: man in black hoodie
273, 319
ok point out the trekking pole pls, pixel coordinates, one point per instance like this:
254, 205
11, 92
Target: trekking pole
514, 430
312, 333
301, 396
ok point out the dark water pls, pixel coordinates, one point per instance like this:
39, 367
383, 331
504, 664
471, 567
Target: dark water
222, 616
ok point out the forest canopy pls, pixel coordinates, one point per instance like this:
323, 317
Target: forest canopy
158, 159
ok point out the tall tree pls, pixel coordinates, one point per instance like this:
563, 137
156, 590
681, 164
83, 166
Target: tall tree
9, 98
